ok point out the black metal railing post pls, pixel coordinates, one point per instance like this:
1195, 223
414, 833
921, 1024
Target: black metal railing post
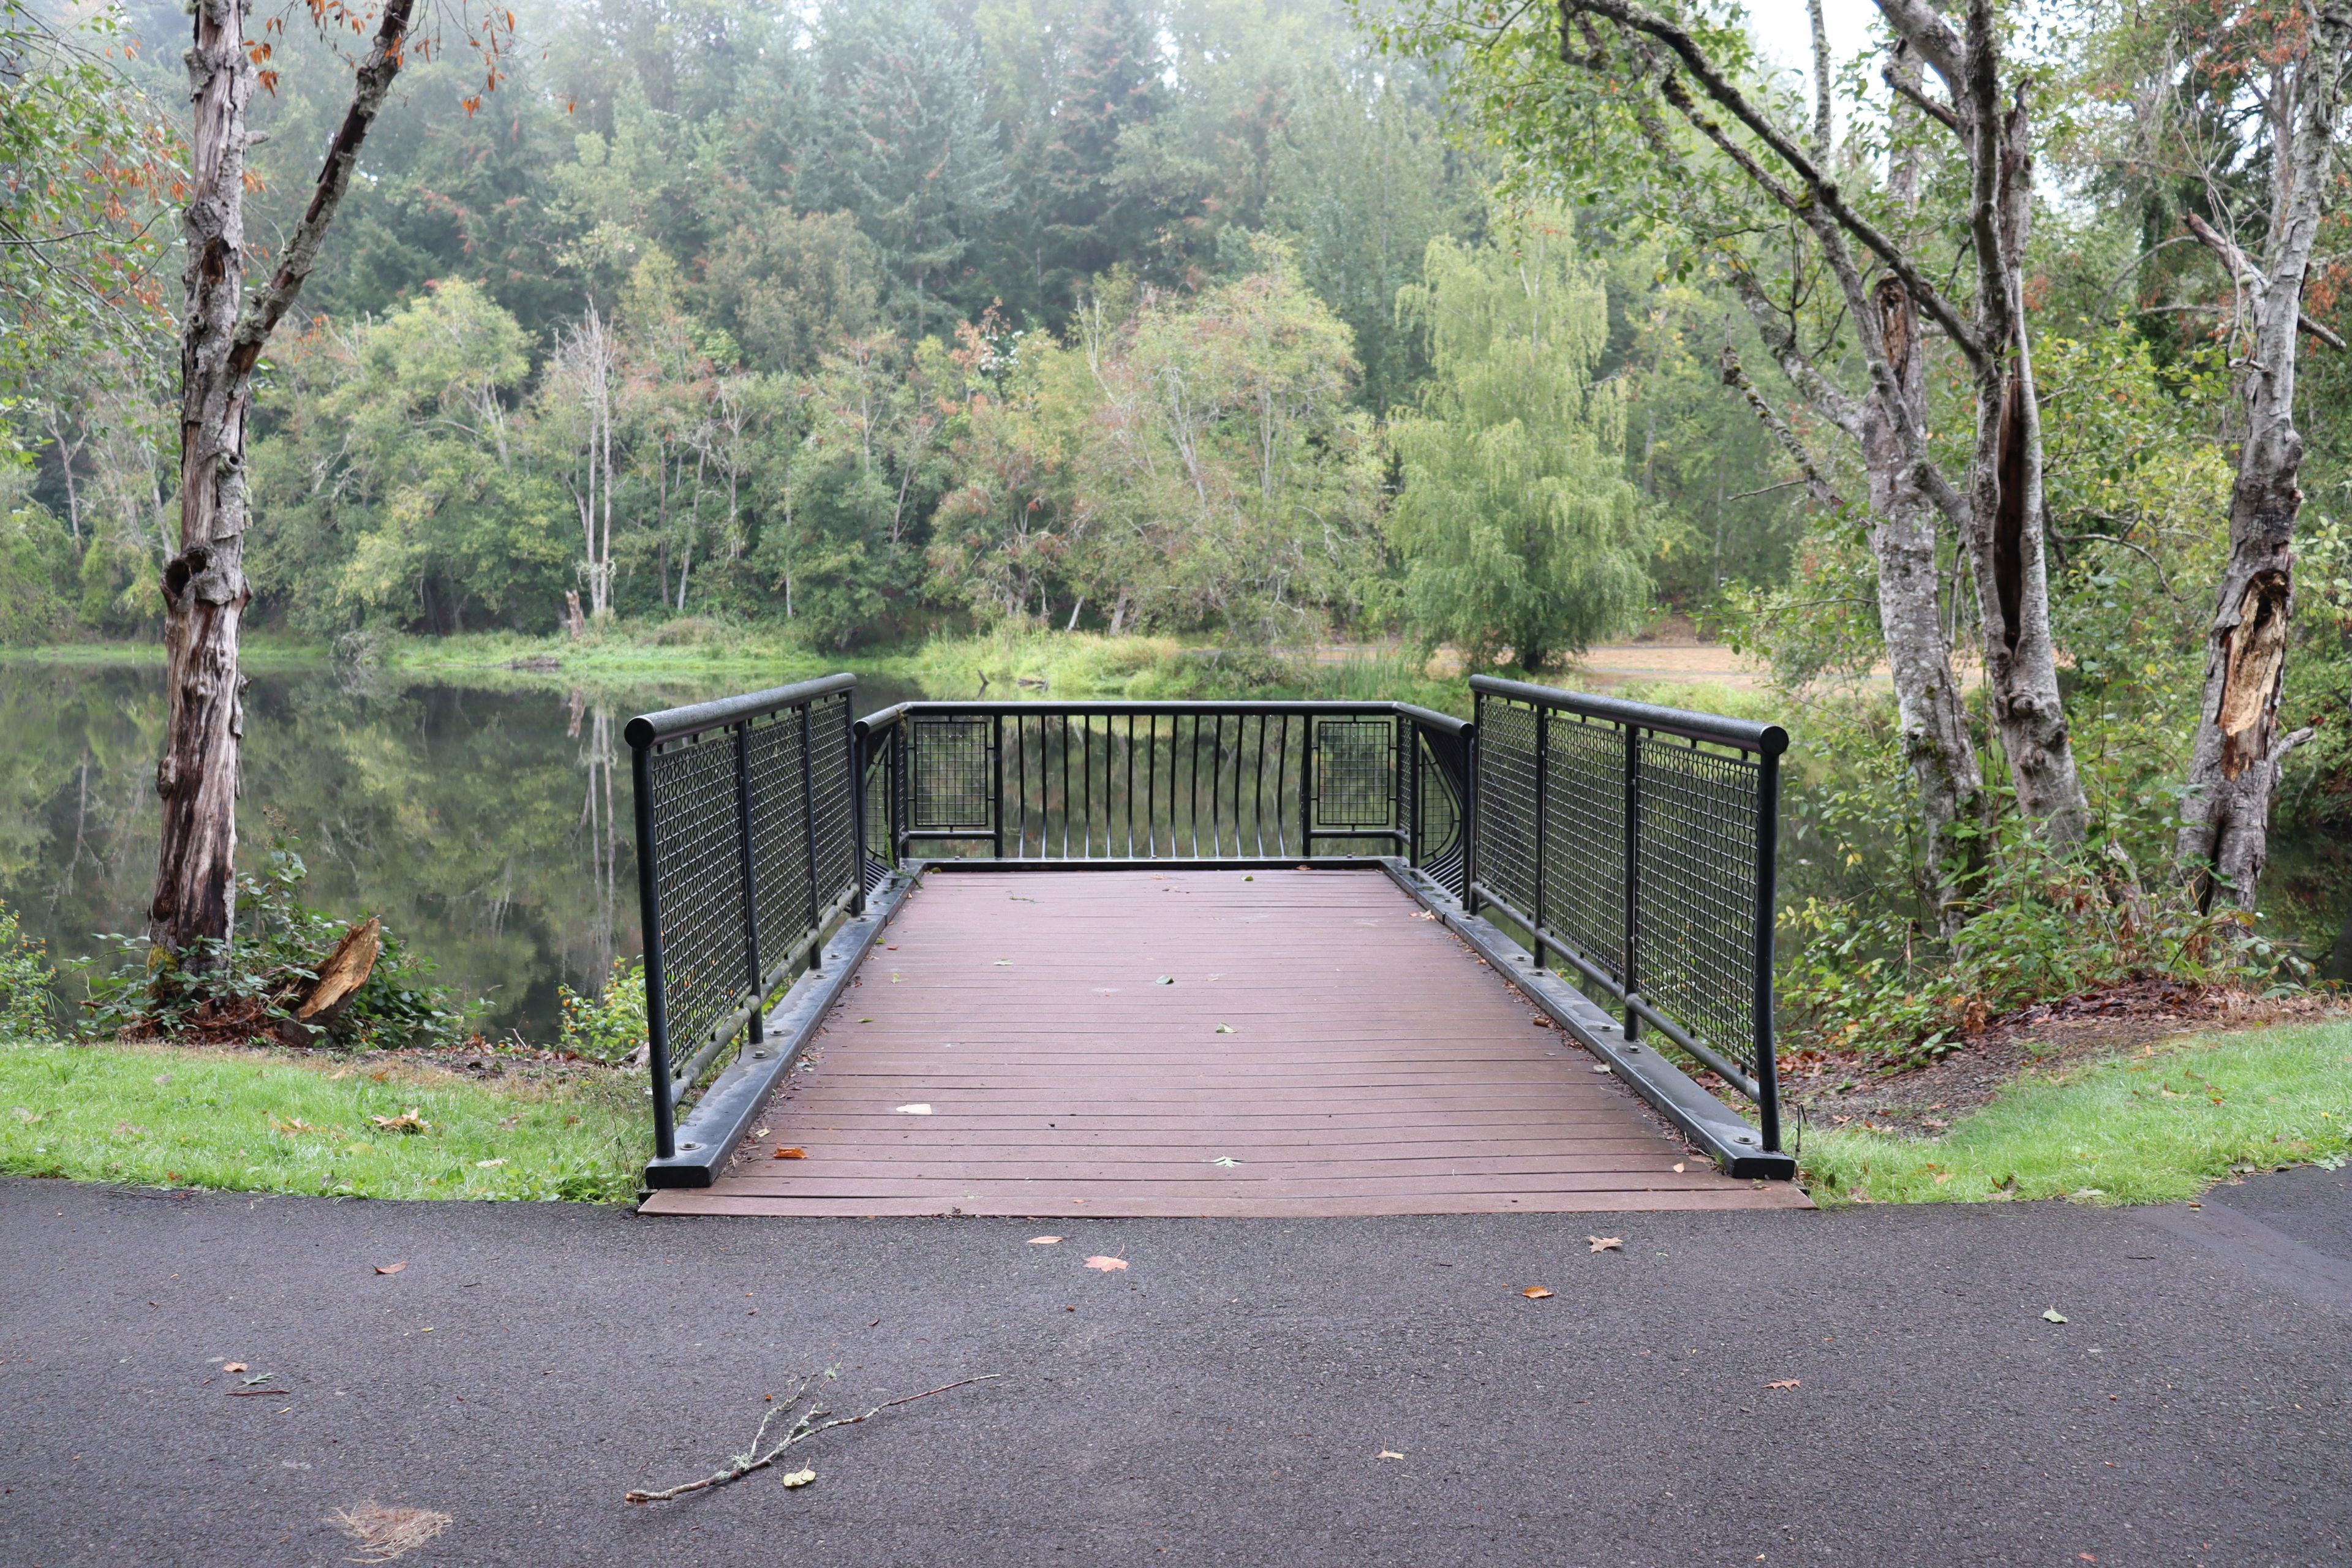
1768, 855
1543, 794
1631, 960
657, 996
857, 815
753, 974
808, 834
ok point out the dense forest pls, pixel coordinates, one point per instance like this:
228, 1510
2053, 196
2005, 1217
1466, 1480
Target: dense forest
1999, 362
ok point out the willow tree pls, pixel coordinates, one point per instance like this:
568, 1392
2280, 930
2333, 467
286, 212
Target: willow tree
222, 336
1516, 526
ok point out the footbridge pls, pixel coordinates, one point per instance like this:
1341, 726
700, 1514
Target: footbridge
1208, 958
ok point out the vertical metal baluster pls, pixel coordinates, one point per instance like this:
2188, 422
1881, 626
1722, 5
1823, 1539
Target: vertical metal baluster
1257, 791
657, 990
1192, 789
808, 830
857, 817
1066, 786
1086, 785
1020, 782
748, 856
1281, 777
1632, 876
1471, 808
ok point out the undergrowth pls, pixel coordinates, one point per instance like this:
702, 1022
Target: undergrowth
223, 992
2158, 1125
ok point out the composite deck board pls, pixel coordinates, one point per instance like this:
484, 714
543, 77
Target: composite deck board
1368, 1064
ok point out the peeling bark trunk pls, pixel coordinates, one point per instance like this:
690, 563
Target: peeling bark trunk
2004, 535
2233, 768
1936, 744
205, 588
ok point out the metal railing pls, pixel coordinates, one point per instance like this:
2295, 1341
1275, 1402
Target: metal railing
1638, 844
746, 854
1114, 783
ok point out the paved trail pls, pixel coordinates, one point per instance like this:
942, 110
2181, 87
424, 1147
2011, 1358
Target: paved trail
1224, 1400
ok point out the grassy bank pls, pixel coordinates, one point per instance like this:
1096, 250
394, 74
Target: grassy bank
2157, 1126
283, 1122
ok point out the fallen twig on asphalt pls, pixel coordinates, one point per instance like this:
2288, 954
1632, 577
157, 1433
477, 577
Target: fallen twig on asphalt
809, 1425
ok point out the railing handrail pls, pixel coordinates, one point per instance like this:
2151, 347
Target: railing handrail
1745, 733
1118, 707
677, 723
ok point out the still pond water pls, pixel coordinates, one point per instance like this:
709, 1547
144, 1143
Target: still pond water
489, 826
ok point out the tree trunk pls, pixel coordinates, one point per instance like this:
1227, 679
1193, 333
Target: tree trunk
205, 590
2004, 510
2233, 768
1936, 744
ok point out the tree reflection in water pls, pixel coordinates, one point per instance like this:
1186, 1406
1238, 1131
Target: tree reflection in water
483, 822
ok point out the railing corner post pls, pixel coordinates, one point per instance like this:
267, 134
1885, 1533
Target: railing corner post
649, 912
1767, 857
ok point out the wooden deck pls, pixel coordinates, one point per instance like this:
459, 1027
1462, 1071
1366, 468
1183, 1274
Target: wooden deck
1318, 1047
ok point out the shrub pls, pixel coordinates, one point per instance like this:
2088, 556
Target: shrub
610, 1025
248, 985
26, 983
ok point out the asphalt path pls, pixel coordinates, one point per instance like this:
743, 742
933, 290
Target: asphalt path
1227, 1398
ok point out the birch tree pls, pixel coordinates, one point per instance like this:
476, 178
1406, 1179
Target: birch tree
222, 337
2234, 768
1664, 118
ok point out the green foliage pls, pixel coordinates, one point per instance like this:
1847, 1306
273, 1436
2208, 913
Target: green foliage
2158, 1125
1858, 977
244, 987
85, 157
1516, 529
26, 983
287, 1122
611, 1025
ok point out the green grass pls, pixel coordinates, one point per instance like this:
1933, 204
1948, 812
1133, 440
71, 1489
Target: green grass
277, 1123
2154, 1126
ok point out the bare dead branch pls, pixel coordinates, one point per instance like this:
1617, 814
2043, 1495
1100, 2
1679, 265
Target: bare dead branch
1939, 112
810, 1423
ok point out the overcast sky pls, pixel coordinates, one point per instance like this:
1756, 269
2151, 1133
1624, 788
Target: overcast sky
1785, 29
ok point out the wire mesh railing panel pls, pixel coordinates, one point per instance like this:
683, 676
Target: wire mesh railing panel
951, 771
1638, 843
697, 852
1583, 870
775, 749
746, 827
1355, 772
833, 803
1510, 801
1697, 942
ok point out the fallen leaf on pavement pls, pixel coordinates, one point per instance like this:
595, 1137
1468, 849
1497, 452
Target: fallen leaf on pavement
1227, 1161
1390, 1453
1106, 1264
1165, 980
1534, 1293
916, 1109
799, 1477
1678, 1167
2053, 1316
385, 1533
240, 1366
1044, 1240
1785, 1383
1225, 1028
762, 1133
1607, 1243
791, 1153
380, 1268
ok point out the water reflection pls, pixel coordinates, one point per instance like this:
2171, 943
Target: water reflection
491, 827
